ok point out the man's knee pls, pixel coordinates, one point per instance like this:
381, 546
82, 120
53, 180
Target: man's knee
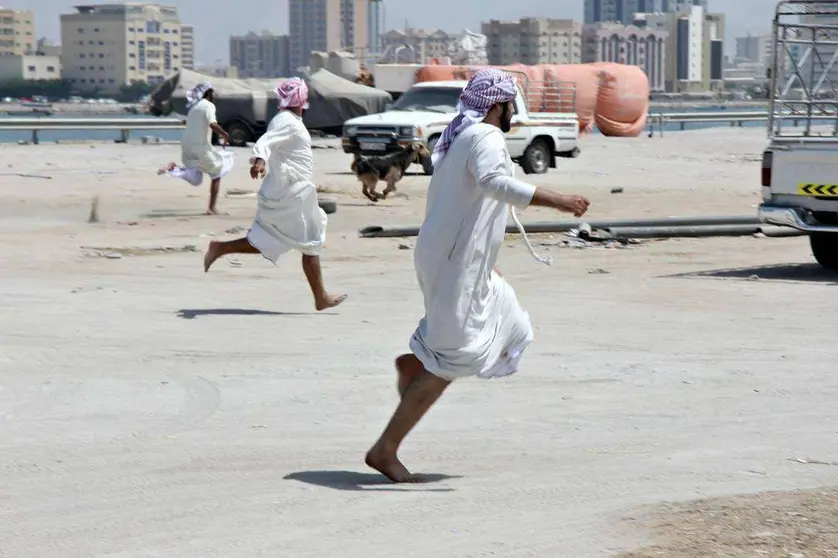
407, 360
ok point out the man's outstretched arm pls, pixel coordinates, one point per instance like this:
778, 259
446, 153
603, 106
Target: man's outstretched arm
568, 203
487, 162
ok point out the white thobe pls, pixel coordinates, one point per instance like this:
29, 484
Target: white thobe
473, 324
197, 152
288, 215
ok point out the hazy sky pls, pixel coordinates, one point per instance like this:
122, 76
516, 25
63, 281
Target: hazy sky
213, 23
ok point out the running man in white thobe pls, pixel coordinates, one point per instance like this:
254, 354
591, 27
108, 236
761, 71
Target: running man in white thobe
197, 153
288, 216
473, 324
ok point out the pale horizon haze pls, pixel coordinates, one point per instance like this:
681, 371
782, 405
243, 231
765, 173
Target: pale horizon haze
213, 25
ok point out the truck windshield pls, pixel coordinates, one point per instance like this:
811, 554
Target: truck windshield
433, 99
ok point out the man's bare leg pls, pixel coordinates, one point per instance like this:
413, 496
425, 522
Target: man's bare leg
408, 368
214, 187
418, 398
217, 249
314, 275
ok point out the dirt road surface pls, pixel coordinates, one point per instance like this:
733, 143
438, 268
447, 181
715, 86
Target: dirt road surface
149, 409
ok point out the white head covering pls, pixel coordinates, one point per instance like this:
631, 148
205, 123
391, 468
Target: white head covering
196, 94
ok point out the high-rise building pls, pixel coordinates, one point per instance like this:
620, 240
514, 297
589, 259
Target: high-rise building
354, 15
17, 32
375, 28
627, 44
327, 25
187, 47
621, 11
533, 41
753, 48
260, 56
107, 46
315, 26
694, 47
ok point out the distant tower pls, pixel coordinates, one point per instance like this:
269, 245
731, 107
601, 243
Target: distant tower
375, 28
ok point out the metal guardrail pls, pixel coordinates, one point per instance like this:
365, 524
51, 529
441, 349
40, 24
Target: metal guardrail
124, 125
735, 118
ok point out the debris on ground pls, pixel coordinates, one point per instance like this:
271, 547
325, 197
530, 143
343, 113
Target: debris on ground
584, 237
94, 211
117, 253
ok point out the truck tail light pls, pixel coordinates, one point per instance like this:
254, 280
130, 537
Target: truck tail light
767, 161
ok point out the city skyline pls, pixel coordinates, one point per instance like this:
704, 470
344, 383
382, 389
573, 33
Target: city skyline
214, 27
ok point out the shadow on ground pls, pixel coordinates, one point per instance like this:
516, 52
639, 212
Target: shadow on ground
353, 480
191, 314
350, 173
806, 273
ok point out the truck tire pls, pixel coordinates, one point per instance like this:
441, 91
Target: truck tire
825, 249
427, 165
536, 159
239, 134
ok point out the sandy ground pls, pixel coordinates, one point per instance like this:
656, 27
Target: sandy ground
148, 409
784, 524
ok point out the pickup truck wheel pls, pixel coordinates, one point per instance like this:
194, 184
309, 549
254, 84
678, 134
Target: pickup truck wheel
536, 158
825, 249
239, 134
427, 166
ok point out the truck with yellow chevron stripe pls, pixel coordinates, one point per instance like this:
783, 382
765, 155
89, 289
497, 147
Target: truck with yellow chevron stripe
800, 165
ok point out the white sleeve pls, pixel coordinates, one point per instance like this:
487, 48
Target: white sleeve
276, 134
487, 163
209, 112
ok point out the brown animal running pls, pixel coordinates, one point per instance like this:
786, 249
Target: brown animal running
390, 168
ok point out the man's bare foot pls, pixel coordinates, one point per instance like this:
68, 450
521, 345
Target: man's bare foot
213, 253
211, 211
389, 466
329, 301
168, 168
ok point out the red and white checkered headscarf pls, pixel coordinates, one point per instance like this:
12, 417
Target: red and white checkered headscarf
292, 93
485, 89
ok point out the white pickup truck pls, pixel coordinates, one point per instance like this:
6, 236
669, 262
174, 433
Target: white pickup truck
423, 112
800, 164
